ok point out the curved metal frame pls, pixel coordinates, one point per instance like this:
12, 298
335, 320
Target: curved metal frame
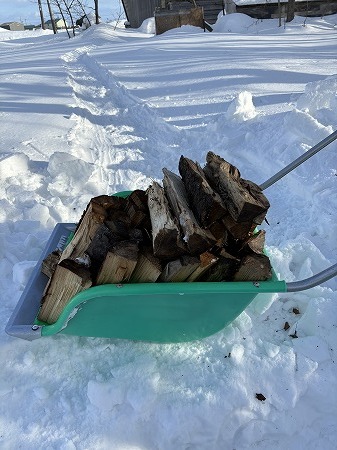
330, 272
313, 281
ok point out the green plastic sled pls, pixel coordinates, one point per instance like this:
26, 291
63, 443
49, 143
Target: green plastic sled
155, 312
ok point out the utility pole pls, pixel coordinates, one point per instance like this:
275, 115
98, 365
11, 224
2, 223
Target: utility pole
43, 26
51, 17
96, 12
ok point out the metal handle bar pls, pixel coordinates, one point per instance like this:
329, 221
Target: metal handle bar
313, 281
330, 272
308, 154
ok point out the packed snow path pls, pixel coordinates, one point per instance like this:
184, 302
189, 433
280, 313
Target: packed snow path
115, 131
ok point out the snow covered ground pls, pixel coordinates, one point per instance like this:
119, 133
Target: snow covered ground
105, 112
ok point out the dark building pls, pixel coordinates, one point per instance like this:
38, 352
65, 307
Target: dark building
138, 10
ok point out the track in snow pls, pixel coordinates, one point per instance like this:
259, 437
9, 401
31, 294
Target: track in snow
115, 130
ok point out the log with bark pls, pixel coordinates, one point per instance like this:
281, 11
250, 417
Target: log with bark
244, 200
49, 264
137, 209
205, 202
224, 269
166, 235
254, 267
206, 261
180, 269
197, 239
95, 214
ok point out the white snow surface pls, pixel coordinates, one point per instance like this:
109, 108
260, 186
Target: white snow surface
105, 112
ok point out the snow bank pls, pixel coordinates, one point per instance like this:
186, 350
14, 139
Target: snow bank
320, 100
6, 35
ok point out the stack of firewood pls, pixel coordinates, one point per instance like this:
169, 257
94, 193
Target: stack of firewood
199, 226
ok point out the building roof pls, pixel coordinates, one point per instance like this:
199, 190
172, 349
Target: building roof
263, 2
11, 23
47, 22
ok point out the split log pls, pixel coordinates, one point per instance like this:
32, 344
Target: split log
180, 269
49, 264
197, 239
254, 268
166, 236
148, 268
69, 279
243, 199
220, 232
137, 209
206, 203
119, 218
255, 243
239, 231
120, 227
256, 193
137, 236
95, 214
224, 269
101, 243
118, 264
207, 260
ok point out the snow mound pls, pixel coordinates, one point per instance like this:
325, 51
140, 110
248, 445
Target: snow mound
241, 108
63, 163
233, 23
148, 26
12, 164
320, 100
